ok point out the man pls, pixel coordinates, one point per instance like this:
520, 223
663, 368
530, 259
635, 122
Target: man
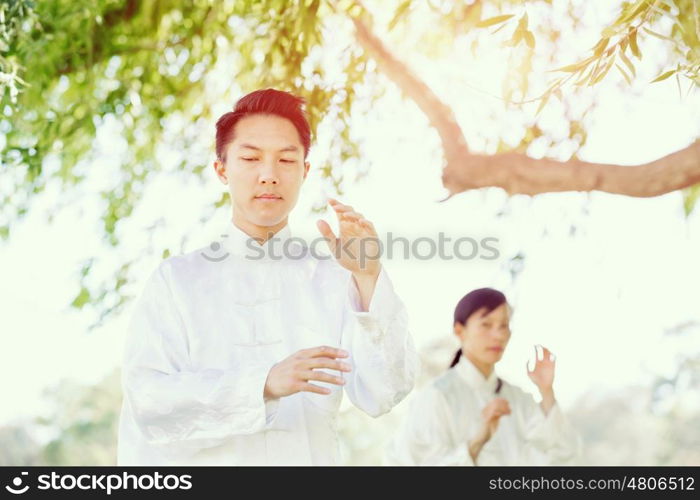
242, 358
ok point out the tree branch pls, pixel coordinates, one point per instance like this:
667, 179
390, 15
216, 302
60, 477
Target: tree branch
517, 173
439, 114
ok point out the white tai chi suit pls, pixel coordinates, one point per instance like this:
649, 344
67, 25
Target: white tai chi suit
206, 331
445, 415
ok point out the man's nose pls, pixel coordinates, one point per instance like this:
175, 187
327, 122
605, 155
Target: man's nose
268, 175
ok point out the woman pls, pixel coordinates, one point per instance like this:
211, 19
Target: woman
470, 416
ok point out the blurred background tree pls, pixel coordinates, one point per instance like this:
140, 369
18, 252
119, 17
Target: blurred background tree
156, 67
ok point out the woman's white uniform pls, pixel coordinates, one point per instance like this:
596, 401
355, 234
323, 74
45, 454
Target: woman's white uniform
444, 416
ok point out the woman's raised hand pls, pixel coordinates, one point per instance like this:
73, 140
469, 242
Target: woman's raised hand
543, 372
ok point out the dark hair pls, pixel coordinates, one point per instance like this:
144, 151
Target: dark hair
269, 102
472, 302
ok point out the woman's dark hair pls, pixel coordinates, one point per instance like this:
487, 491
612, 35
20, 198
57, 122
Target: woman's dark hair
472, 302
266, 102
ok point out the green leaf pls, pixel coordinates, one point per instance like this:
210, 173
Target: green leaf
515, 40
586, 75
543, 103
627, 77
401, 12
690, 198
604, 72
600, 46
633, 11
627, 62
499, 28
573, 68
663, 76
493, 20
81, 299
633, 44
86, 268
473, 14
522, 23
609, 32
658, 35
530, 39
223, 200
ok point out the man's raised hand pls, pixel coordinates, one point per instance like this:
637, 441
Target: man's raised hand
356, 247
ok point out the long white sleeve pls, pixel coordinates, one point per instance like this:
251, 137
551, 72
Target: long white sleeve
424, 436
551, 435
174, 404
383, 356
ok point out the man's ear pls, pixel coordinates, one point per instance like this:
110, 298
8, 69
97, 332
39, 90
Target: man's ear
458, 328
220, 169
307, 166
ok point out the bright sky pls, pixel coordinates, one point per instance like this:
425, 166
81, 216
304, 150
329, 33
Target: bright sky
600, 299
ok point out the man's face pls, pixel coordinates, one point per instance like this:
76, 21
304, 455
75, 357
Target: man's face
266, 157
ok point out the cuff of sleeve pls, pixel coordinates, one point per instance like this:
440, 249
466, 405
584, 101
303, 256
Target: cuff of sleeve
265, 411
271, 406
382, 307
545, 427
555, 415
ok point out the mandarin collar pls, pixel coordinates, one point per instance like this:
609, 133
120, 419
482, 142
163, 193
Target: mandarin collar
471, 374
278, 247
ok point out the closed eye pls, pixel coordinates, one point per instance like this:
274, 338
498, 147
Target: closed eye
249, 159
287, 161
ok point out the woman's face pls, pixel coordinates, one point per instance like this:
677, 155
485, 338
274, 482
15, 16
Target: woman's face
485, 335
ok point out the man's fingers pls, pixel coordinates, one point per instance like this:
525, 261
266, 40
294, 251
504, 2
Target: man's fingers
352, 213
343, 209
314, 388
326, 363
368, 224
337, 205
326, 231
341, 214
348, 212
309, 375
324, 351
